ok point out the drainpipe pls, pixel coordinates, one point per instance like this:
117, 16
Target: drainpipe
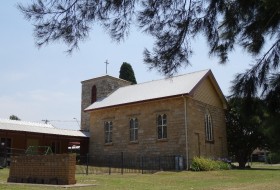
186, 132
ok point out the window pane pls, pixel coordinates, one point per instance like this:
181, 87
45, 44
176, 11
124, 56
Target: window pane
164, 131
131, 135
159, 133
164, 119
108, 126
136, 123
131, 130
93, 94
159, 120
131, 123
162, 126
208, 127
110, 137
134, 129
136, 134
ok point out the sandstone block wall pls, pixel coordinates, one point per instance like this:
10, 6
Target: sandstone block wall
44, 169
104, 86
198, 145
204, 98
148, 143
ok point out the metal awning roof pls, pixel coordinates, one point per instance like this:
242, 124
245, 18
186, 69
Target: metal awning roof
24, 126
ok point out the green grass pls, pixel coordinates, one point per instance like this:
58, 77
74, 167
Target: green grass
258, 178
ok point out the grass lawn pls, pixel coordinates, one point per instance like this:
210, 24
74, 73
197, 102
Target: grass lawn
258, 178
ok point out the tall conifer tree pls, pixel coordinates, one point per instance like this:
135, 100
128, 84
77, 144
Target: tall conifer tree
127, 73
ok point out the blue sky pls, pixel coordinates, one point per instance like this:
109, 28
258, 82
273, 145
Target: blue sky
44, 83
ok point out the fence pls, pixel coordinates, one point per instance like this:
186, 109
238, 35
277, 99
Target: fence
128, 164
7, 153
120, 163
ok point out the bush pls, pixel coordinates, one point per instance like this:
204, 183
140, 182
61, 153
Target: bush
273, 158
205, 164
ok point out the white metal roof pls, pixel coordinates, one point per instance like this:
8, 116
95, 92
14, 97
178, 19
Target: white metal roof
24, 126
182, 84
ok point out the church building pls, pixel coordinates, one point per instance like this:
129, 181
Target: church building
183, 115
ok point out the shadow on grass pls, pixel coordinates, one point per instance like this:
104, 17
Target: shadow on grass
257, 168
263, 169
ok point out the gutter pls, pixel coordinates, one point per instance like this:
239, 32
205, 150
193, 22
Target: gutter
186, 132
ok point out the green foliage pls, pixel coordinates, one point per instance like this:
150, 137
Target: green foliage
244, 121
274, 158
205, 164
272, 94
127, 73
173, 24
272, 131
14, 117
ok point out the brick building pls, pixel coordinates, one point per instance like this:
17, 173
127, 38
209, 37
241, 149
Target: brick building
183, 115
17, 136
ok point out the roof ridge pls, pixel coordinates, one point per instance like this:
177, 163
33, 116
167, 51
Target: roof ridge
165, 78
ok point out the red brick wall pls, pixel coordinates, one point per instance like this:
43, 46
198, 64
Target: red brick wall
46, 169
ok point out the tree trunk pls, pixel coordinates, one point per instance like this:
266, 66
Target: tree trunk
241, 164
242, 159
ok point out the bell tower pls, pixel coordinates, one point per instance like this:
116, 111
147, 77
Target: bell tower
94, 90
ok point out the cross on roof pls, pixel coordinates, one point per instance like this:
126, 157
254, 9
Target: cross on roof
106, 62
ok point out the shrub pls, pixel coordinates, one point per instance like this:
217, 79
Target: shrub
205, 164
274, 158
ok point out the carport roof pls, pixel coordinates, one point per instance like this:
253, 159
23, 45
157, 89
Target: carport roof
24, 126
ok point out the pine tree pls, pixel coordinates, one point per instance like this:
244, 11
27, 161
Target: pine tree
226, 24
127, 73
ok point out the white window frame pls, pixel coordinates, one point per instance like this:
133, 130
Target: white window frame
208, 127
108, 131
133, 129
162, 126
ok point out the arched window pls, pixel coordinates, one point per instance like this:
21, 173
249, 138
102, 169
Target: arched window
93, 94
162, 126
108, 127
208, 126
133, 129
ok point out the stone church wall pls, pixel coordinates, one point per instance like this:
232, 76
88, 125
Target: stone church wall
104, 86
198, 146
147, 144
203, 99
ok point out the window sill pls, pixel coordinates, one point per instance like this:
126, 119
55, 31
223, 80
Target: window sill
162, 140
108, 144
133, 142
210, 142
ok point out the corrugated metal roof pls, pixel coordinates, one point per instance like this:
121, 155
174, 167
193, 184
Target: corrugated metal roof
24, 126
182, 84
